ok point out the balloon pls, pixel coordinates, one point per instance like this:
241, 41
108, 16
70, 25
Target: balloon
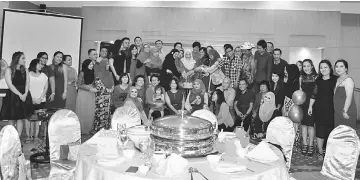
299, 97
295, 113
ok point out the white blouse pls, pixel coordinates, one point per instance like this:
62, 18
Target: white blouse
36, 86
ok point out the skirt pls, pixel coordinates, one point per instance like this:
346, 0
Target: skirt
85, 109
71, 96
13, 108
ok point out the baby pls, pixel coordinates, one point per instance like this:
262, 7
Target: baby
158, 97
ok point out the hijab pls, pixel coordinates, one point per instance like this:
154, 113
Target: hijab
293, 77
88, 74
155, 62
195, 92
188, 63
267, 107
135, 100
143, 55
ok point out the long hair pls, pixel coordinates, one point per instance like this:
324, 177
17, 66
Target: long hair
325, 61
33, 64
130, 49
14, 62
313, 70
115, 48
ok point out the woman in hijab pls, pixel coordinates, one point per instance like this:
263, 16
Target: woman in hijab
197, 98
155, 64
202, 63
142, 59
187, 66
267, 109
135, 101
169, 69
85, 102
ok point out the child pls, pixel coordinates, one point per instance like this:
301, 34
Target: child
197, 103
158, 97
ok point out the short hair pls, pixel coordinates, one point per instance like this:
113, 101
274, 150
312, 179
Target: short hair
122, 75
137, 38
277, 49
266, 83
90, 50
210, 47
136, 79
345, 63
158, 41
65, 56
243, 79
158, 87
262, 43
154, 75
228, 47
225, 45
41, 54
33, 64
175, 80
271, 43
125, 38
195, 44
175, 44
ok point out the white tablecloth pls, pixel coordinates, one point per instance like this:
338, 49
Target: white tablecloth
88, 169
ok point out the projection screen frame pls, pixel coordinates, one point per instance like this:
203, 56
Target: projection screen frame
44, 14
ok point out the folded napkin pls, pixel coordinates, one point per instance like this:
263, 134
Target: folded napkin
230, 168
108, 160
172, 166
262, 153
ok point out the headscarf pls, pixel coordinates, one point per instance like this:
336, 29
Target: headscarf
195, 92
267, 107
215, 55
143, 55
293, 77
188, 63
135, 100
155, 62
103, 73
88, 74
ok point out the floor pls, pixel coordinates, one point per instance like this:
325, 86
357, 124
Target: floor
300, 164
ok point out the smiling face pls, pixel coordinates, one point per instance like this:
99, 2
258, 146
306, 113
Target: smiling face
267, 98
134, 50
188, 55
196, 85
138, 42
44, 59
104, 52
325, 69
125, 79
275, 77
158, 91
226, 83
58, 58
159, 45
155, 81
39, 67
242, 85
140, 81
202, 53
146, 48
173, 85
229, 53
237, 52
263, 88
340, 68
22, 60
68, 61
93, 55
134, 93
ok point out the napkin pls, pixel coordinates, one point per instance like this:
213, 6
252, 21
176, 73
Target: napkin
262, 153
230, 168
172, 166
108, 160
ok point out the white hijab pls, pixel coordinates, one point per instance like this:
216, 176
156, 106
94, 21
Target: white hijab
188, 63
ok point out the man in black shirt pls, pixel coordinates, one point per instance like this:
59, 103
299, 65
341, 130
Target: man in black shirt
278, 63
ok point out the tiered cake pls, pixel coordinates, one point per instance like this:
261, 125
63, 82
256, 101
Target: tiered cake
191, 136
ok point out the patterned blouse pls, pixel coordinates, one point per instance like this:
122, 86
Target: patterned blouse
232, 67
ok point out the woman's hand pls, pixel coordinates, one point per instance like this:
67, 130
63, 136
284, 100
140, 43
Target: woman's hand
169, 71
64, 95
309, 111
345, 115
94, 90
51, 97
22, 97
117, 77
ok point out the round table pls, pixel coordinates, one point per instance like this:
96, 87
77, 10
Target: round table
88, 169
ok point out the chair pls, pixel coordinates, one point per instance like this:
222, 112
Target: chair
12, 161
280, 131
342, 152
126, 115
64, 130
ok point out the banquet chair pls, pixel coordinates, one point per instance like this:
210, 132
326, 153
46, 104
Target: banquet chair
130, 116
12, 161
342, 153
64, 141
280, 131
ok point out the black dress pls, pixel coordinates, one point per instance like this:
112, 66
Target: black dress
13, 108
323, 108
307, 85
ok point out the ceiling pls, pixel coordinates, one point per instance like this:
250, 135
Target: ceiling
352, 7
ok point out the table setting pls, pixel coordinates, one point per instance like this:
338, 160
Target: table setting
140, 152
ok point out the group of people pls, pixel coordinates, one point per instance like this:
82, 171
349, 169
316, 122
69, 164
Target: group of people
240, 87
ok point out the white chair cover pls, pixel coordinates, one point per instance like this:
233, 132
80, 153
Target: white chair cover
64, 129
207, 115
342, 152
280, 131
130, 116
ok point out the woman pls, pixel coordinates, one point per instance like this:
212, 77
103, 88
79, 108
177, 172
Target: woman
38, 87
142, 59
139, 84
197, 98
278, 88
175, 97
85, 101
209, 48
169, 69
344, 102
216, 74
120, 92
17, 103
155, 64
117, 61
204, 61
133, 51
299, 65
60, 73
70, 102
3, 86
134, 100
221, 109
258, 129
266, 109
308, 79
321, 104
104, 84
186, 66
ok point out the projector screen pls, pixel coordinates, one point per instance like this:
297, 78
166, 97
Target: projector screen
34, 32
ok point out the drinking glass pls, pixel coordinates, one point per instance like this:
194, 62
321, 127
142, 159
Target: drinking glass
122, 139
242, 135
143, 146
121, 127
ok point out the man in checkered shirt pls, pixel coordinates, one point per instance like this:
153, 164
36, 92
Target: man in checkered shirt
231, 65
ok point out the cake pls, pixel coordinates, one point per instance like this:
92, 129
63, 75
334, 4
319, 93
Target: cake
188, 85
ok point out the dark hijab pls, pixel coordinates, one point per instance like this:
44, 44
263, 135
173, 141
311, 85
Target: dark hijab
88, 74
293, 81
169, 63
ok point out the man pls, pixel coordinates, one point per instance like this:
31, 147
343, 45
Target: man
263, 64
159, 45
178, 45
195, 53
93, 55
138, 42
232, 65
243, 105
270, 47
224, 48
149, 95
278, 63
248, 70
125, 45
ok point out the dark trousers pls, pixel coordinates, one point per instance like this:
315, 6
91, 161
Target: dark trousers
246, 122
225, 129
